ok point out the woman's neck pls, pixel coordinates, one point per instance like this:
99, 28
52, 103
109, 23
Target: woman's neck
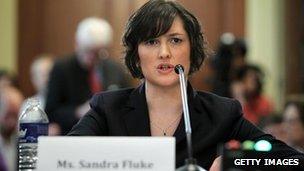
163, 101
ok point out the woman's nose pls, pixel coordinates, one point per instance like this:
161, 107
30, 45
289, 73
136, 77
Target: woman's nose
164, 51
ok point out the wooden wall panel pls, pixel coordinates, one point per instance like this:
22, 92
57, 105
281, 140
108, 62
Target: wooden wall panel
29, 40
118, 16
61, 19
294, 36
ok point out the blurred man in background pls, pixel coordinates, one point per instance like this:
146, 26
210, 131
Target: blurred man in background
76, 77
229, 57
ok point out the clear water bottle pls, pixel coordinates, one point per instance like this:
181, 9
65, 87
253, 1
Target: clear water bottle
33, 122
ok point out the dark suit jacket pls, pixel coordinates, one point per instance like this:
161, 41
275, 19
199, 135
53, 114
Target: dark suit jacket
69, 87
214, 120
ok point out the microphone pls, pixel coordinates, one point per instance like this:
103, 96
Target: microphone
190, 163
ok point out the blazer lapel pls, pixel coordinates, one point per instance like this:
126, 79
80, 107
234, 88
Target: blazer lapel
136, 117
195, 111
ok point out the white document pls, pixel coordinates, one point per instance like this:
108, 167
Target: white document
106, 153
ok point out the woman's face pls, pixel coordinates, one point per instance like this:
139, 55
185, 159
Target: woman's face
159, 56
250, 82
292, 122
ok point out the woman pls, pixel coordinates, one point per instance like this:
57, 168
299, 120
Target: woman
293, 119
160, 35
248, 89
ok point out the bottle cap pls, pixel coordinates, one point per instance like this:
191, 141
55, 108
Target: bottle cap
33, 102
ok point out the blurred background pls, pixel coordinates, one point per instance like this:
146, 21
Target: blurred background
273, 30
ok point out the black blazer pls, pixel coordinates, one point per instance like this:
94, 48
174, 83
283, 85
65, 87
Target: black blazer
69, 87
214, 120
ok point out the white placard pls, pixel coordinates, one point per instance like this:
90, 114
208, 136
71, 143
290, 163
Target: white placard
106, 153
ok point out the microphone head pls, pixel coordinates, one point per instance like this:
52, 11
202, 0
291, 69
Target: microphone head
177, 68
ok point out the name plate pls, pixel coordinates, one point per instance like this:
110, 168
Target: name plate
106, 153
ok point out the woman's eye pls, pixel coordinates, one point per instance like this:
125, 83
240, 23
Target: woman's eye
151, 42
176, 40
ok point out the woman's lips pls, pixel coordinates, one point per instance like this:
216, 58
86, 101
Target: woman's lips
165, 68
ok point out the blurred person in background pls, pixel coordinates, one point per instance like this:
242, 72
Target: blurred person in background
293, 118
247, 88
39, 73
40, 70
239, 56
273, 124
229, 57
5, 79
10, 103
75, 78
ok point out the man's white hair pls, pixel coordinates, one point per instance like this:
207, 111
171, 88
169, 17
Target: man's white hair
93, 32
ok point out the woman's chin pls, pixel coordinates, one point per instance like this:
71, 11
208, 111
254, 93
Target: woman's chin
167, 83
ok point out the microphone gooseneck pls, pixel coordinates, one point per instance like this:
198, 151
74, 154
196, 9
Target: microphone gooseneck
179, 69
190, 162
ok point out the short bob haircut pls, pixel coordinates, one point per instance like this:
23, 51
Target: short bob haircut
154, 19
